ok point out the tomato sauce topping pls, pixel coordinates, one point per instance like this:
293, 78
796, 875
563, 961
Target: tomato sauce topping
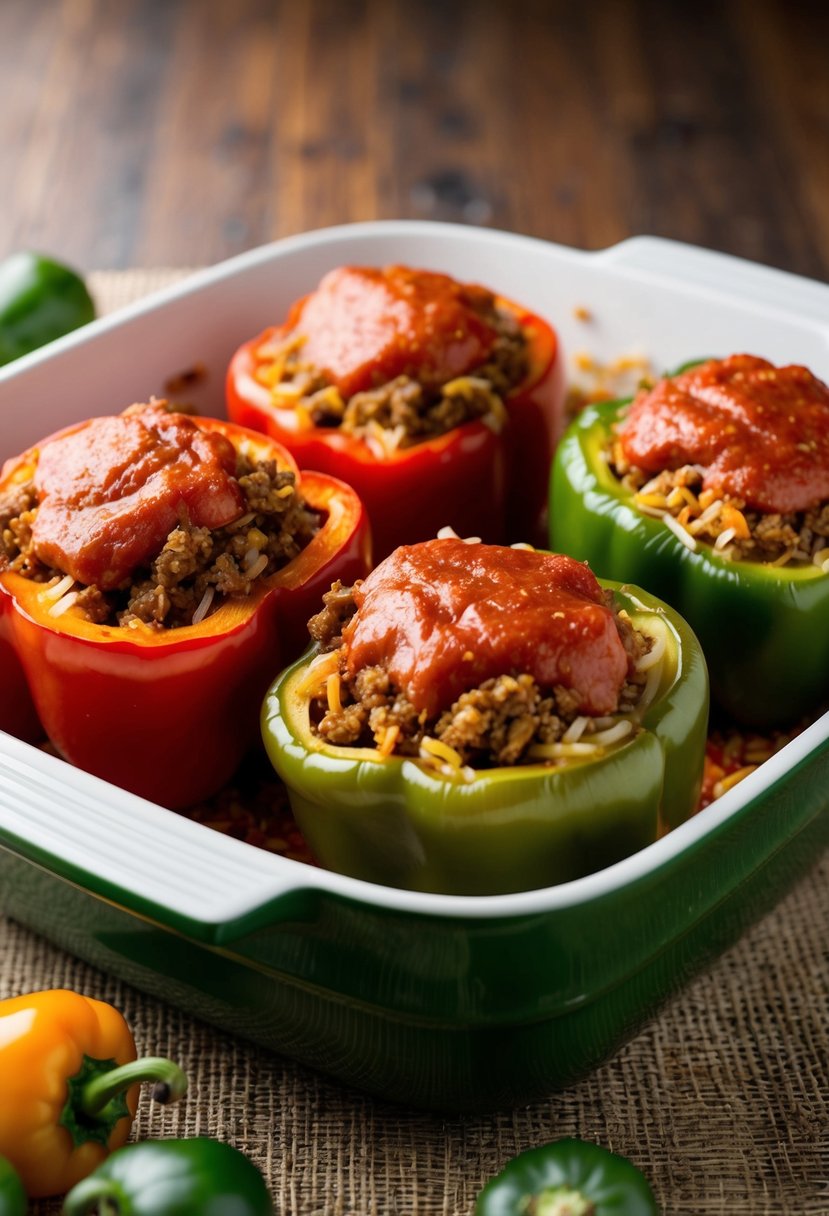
761, 432
363, 327
111, 492
443, 616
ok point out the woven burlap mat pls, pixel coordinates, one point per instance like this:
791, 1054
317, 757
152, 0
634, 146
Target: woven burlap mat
723, 1101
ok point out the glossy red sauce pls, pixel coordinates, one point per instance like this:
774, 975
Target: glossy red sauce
111, 492
761, 432
363, 327
443, 616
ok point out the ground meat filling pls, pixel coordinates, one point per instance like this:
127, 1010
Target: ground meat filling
196, 567
504, 721
401, 412
797, 537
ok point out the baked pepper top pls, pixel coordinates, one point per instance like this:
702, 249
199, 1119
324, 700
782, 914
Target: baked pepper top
363, 326
392, 357
444, 616
110, 493
438, 401
475, 656
151, 517
760, 432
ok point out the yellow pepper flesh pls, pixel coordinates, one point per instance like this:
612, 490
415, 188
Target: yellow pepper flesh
44, 1037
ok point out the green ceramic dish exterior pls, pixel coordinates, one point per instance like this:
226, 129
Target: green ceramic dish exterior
452, 1012
763, 629
392, 820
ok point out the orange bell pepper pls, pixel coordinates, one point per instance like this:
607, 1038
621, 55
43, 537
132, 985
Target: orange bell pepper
70, 1082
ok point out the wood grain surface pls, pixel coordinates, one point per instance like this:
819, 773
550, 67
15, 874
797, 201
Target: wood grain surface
179, 132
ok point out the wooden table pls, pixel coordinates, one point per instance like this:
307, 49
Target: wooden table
178, 132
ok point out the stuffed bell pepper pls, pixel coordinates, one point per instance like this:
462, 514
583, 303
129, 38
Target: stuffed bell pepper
437, 401
712, 490
153, 568
478, 719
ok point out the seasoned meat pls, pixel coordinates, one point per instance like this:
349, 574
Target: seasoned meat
338, 608
404, 411
196, 564
739, 533
495, 724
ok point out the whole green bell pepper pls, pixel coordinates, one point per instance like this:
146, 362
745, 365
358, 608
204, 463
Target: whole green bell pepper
568, 1178
40, 300
172, 1178
395, 820
764, 629
12, 1195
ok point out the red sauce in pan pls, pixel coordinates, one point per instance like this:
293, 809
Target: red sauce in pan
760, 431
111, 492
363, 327
443, 616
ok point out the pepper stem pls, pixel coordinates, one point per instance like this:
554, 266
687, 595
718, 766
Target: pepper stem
95, 1096
97, 1093
561, 1201
94, 1194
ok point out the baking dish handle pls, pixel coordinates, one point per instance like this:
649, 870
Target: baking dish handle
153, 862
663, 261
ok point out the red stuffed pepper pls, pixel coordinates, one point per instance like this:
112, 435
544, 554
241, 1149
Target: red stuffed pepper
155, 570
437, 401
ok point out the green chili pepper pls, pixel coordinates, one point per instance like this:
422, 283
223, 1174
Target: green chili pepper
40, 300
567, 1178
395, 820
763, 628
12, 1195
172, 1178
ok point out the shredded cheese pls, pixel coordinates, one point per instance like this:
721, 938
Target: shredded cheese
63, 604
613, 734
655, 654
682, 533
732, 779
54, 590
390, 737
203, 606
434, 749
319, 669
332, 692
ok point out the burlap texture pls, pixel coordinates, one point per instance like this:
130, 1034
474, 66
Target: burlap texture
723, 1101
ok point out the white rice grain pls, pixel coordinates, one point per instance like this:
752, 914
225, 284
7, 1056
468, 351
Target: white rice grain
204, 605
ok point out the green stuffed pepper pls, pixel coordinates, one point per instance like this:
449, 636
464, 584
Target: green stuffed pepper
40, 300
172, 1178
568, 1178
712, 490
488, 720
